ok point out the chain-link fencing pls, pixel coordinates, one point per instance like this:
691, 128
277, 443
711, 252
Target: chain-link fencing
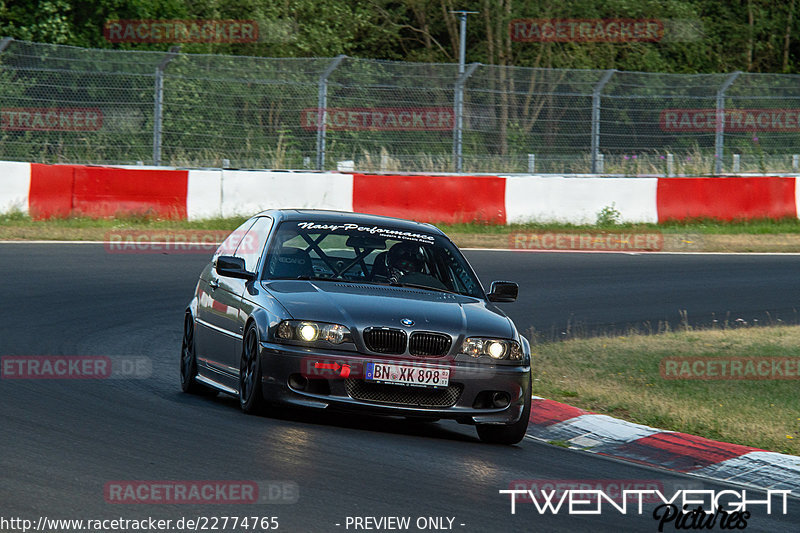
62, 104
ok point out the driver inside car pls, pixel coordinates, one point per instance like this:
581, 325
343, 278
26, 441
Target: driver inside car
405, 263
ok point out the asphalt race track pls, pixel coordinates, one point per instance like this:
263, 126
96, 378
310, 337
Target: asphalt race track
63, 441
594, 292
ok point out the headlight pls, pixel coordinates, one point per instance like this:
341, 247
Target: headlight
336, 334
497, 350
305, 331
308, 331
494, 348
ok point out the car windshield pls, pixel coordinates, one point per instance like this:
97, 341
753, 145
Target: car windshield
356, 253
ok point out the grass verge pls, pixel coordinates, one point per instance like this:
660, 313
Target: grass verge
702, 226
621, 377
18, 226
698, 235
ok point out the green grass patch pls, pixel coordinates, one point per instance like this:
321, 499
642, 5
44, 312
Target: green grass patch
776, 236
620, 376
18, 226
132, 222
701, 226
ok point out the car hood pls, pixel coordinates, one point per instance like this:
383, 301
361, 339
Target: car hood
363, 305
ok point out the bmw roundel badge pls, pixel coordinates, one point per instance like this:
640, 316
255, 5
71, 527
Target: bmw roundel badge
407, 322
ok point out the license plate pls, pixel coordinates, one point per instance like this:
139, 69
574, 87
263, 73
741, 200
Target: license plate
407, 375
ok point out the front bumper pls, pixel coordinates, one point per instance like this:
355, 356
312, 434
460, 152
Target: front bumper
307, 377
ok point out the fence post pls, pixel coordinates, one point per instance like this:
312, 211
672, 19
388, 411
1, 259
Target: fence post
531, 163
158, 103
322, 109
737, 164
458, 111
720, 139
4, 43
670, 165
598, 89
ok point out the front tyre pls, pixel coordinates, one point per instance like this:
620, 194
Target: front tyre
251, 399
189, 382
508, 434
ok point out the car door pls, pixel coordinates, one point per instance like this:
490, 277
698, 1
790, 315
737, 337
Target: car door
217, 311
250, 249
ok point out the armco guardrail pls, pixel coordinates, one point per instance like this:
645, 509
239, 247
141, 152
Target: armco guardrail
46, 191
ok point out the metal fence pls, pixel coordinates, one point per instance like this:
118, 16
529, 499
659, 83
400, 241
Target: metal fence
66, 104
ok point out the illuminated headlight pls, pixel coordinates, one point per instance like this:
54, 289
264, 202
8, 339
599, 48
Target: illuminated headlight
308, 332
305, 331
494, 348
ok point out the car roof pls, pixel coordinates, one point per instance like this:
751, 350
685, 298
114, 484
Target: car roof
324, 215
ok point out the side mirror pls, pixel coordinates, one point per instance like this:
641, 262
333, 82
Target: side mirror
232, 267
503, 291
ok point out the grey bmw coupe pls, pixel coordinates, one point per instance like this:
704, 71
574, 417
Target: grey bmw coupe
328, 309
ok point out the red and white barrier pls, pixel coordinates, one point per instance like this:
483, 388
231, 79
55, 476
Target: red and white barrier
245, 192
227, 193
46, 191
727, 198
579, 199
15, 184
446, 199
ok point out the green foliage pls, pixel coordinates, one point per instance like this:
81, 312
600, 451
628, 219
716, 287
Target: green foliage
225, 104
609, 215
701, 35
42, 20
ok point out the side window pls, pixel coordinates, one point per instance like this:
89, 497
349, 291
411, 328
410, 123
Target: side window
228, 246
252, 243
